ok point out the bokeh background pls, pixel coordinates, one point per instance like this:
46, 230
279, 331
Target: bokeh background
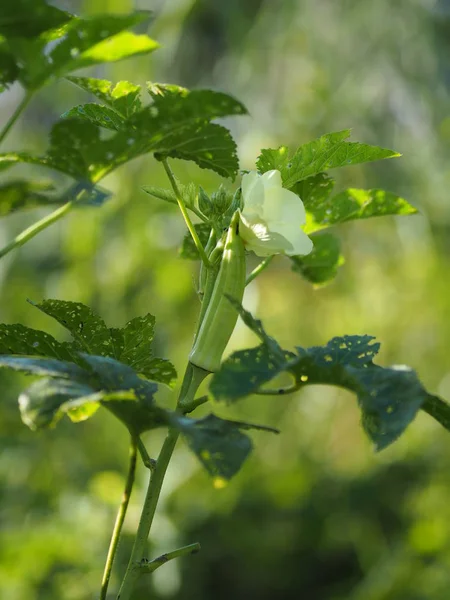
315, 513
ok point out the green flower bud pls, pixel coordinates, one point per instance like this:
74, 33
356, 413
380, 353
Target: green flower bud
221, 200
220, 317
204, 202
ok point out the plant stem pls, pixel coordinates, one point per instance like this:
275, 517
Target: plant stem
16, 114
259, 269
185, 213
119, 519
161, 560
192, 379
36, 228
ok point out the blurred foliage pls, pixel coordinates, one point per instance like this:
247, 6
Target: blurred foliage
315, 513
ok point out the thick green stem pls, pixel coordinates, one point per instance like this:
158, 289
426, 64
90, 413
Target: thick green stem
185, 213
16, 114
119, 519
192, 379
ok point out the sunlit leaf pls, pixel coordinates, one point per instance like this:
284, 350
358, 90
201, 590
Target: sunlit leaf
78, 43
322, 264
77, 149
46, 401
355, 204
327, 152
123, 98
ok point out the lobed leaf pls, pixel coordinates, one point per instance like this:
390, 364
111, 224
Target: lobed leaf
102, 116
130, 345
389, 398
330, 151
123, 98
322, 264
355, 204
20, 340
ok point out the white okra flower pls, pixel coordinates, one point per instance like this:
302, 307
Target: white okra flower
272, 217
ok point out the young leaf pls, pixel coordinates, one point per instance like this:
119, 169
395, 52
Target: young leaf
188, 249
21, 194
321, 266
327, 152
123, 98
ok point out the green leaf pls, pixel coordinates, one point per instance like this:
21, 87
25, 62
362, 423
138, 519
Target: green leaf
245, 372
219, 444
88, 329
44, 366
20, 340
46, 401
78, 43
21, 194
77, 149
327, 152
102, 116
188, 249
321, 266
354, 204
123, 98
130, 345
389, 398
9, 70
29, 18
103, 380
188, 193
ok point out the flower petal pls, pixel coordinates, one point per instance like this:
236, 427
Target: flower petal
283, 205
260, 240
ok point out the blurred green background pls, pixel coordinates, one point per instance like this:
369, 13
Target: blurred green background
314, 514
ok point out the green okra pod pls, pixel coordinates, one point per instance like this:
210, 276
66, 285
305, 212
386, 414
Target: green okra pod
219, 318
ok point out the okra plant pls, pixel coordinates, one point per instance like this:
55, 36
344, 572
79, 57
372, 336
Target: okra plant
280, 207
